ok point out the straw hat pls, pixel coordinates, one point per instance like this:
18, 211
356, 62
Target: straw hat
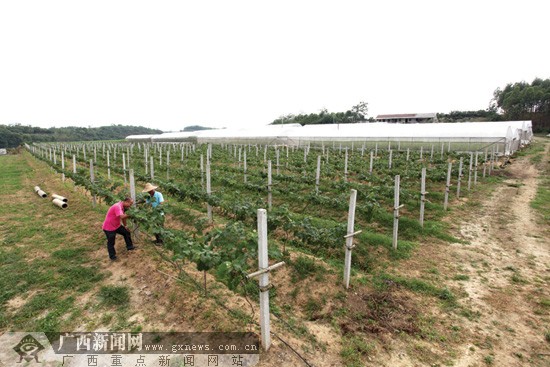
149, 187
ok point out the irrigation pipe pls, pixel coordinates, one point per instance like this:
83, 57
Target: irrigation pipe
292, 349
231, 312
39, 192
59, 203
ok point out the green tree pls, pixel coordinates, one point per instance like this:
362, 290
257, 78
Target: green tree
9, 139
524, 101
356, 114
360, 110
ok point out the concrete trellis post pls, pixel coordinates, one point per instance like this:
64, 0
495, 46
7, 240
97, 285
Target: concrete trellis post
475, 169
396, 208
133, 196
108, 165
286, 162
269, 184
371, 161
422, 195
63, 165
349, 237
168, 164
95, 154
470, 171
432, 154
202, 171
408, 152
74, 163
459, 179
263, 278
208, 193
346, 165
318, 174
492, 165
389, 159
152, 168
132, 185
92, 179
146, 155
244, 165
124, 167
447, 186
277, 160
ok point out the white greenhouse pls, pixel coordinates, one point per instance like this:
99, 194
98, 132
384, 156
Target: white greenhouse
504, 136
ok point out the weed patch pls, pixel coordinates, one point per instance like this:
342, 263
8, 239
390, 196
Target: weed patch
114, 296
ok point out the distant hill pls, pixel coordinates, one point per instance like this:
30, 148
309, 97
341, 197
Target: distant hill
196, 128
12, 136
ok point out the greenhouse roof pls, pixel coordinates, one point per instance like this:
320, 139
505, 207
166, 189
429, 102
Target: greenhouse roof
496, 130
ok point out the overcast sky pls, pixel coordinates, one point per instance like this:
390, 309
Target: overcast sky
170, 64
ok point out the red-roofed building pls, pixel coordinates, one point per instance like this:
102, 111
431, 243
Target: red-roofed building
408, 118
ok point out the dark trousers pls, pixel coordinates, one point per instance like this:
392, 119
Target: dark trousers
158, 236
111, 235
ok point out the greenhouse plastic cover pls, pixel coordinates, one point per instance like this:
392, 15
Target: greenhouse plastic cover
520, 131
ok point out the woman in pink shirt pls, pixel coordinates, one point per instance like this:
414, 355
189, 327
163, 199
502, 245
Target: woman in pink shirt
112, 225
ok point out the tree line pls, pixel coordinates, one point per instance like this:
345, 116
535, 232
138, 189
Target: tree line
516, 101
357, 113
12, 136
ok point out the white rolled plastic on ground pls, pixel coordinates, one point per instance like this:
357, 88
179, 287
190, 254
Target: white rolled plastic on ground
60, 203
39, 192
62, 198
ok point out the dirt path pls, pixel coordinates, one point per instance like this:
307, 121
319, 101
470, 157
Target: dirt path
507, 262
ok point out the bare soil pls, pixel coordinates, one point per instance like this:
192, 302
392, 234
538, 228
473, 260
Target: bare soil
507, 260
